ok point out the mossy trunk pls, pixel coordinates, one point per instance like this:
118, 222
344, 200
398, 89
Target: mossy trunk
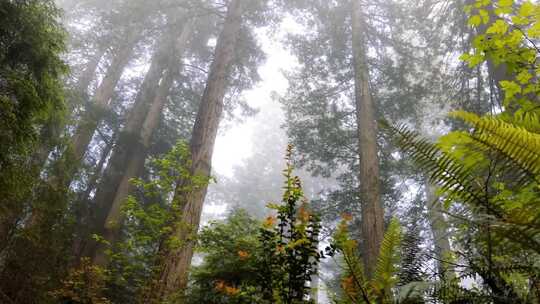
372, 209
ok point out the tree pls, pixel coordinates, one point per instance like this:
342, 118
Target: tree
30, 95
176, 262
230, 270
31, 69
372, 210
130, 154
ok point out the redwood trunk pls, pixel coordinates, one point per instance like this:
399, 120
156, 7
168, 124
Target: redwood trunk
90, 72
127, 139
134, 168
94, 114
51, 132
130, 154
175, 263
372, 209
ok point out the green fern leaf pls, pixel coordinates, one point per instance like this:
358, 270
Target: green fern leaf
385, 271
443, 170
515, 143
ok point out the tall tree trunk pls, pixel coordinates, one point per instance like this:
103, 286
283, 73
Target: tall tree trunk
439, 229
130, 154
49, 139
89, 72
314, 292
175, 262
51, 131
94, 113
372, 210
136, 162
82, 210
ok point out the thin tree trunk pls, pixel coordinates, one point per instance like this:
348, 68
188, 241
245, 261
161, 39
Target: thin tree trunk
439, 229
315, 288
172, 277
130, 154
372, 209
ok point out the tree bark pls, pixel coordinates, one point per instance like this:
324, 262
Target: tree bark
81, 208
175, 262
90, 72
439, 229
129, 156
314, 292
94, 113
52, 130
372, 209
49, 137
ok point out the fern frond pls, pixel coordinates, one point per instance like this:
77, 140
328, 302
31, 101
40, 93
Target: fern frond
513, 142
443, 170
385, 271
530, 121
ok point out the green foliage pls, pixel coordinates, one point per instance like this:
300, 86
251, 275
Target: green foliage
488, 174
250, 262
290, 245
509, 36
83, 285
511, 142
356, 287
31, 41
492, 170
149, 218
230, 272
31, 70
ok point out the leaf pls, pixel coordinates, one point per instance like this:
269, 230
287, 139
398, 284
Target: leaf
524, 77
499, 27
534, 30
527, 9
505, 3
388, 260
485, 16
475, 20
510, 88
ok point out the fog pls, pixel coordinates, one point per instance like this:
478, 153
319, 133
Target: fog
269, 151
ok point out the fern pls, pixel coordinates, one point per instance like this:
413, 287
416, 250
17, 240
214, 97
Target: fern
530, 121
388, 260
355, 285
451, 176
515, 143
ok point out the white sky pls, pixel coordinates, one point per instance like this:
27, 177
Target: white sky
234, 145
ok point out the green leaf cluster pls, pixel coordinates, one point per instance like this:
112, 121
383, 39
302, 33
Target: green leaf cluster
290, 245
508, 36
